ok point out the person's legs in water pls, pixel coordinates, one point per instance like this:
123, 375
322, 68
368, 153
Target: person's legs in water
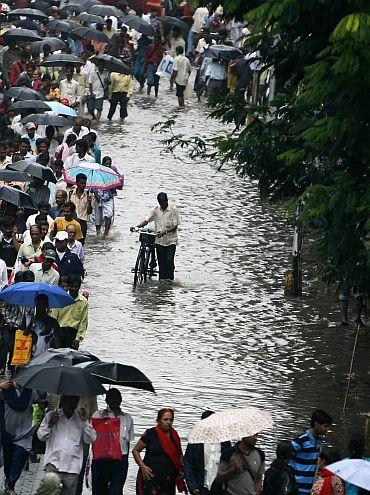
343, 301
156, 85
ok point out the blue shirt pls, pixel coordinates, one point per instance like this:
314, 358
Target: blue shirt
304, 462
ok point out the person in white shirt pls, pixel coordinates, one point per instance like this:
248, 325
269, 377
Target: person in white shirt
78, 129
180, 74
199, 19
44, 209
69, 88
98, 82
31, 135
44, 272
3, 274
5, 159
110, 476
74, 245
65, 431
80, 156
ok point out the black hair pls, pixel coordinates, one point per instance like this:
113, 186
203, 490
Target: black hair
8, 222
80, 177
356, 446
42, 140
43, 204
58, 163
284, 450
206, 414
28, 276
48, 245
41, 217
92, 136
71, 205
321, 417
71, 138
162, 198
82, 144
25, 140
179, 50
74, 280
18, 277
329, 456
43, 159
63, 278
106, 158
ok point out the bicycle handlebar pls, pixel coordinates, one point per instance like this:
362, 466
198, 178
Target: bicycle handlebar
142, 231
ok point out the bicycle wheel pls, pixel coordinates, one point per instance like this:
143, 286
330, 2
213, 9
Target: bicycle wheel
137, 270
146, 264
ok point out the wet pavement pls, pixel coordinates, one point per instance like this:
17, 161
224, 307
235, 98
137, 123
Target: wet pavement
224, 334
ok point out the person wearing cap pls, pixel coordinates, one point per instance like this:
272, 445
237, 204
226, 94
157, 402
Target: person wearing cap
44, 272
166, 220
31, 135
68, 263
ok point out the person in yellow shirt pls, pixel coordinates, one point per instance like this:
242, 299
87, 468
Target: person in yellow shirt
73, 319
61, 223
120, 91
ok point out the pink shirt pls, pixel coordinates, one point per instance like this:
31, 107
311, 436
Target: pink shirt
65, 150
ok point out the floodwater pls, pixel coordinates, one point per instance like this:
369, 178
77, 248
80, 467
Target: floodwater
224, 335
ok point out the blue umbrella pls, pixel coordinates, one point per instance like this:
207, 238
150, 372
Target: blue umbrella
61, 109
25, 293
98, 177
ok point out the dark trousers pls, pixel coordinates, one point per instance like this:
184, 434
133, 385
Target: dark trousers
4, 331
15, 458
108, 477
83, 224
122, 100
166, 261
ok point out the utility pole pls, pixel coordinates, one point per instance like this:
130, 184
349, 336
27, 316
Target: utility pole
293, 277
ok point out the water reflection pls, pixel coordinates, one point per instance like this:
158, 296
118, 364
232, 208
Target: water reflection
224, 334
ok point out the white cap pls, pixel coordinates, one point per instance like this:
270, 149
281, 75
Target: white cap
61, 235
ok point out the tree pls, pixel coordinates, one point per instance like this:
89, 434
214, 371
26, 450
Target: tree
310, 144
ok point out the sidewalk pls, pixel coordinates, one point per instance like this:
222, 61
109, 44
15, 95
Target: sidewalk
28, 482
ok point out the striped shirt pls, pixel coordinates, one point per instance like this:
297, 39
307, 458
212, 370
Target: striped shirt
304, 462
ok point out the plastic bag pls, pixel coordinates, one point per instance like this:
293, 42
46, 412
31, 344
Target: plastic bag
107, 446
22, 349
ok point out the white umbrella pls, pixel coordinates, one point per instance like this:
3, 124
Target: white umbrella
355, 471
231, 424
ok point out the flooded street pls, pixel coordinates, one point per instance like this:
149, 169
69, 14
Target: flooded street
224, 334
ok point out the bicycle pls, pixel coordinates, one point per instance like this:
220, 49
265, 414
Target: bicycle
145, 261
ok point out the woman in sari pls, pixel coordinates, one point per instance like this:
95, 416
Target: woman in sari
327, 483
161, 470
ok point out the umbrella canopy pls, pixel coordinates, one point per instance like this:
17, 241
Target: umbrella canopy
98, 176
33, 169
14, 176
29, 105
118, 374
67, 357
72, 7
61, 109
104, 10
91, 34
112, 64
31, 13
21, 93
61, 26
16, 197
90, 18
25, 293
138, 24
54, 43
173, 21
60, 380
85, 4
46, 119
222, 51
355, 471
231, 424
18, 34
61, 59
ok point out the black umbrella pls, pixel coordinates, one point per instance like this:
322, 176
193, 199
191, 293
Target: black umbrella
112, 64
61, 26
33, 169
91, 34
14, 176
46, 119
72, 7
90, 18
85, 4
17, 197
222, 51
18, 34
30, 13
104, 10
60, 380
118, 374
41, 5
61, 59
54, 43
29, 105
65, 356
138, 24
173, 21
22, 93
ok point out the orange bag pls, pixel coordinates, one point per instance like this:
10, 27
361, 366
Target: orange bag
107, 445
22, 349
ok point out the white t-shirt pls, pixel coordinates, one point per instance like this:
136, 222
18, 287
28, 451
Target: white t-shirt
183, 67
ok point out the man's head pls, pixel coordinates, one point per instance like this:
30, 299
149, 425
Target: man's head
48, 259
42, 304
71, 139
28, 276
81, 147
107, 161
69, 404
63, 283
320, 422
284, 451
44, 207
179, 50
44, 228
61, 240
46, 49
162, 200
58, 168
250, 442
24, 146
42, 145
113, 398
69, 72
81, 180
3, 150
35, 234
30, 129
109, 23
60, 197
69, 209
74, 285
71, 231
8, 227
100, 65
